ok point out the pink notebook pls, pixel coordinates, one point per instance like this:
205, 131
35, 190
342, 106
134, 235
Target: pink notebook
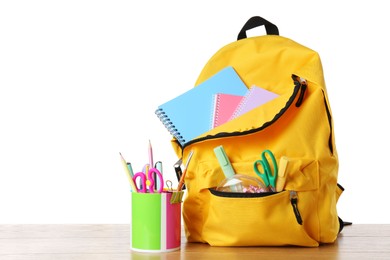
255, 97
224, 106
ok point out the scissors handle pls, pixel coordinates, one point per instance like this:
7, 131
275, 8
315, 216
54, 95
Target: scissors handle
152, 179
272, 175
268, 176
142, 182
262, 175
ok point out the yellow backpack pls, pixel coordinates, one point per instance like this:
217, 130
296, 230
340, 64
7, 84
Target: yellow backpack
297, 124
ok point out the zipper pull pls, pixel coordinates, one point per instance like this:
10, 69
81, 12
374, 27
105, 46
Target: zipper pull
294, 204
303, 84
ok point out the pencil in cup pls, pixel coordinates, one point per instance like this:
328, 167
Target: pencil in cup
129, 174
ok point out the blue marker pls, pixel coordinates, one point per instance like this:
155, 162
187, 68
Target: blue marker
158, 166
130, 169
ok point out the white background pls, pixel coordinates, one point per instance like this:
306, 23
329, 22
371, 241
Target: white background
80, 80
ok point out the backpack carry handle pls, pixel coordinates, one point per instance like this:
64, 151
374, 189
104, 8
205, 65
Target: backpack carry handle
257, 21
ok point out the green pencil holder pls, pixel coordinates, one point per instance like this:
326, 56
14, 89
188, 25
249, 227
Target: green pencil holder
155, 222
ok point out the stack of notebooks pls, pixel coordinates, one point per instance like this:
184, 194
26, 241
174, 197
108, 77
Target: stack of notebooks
212, 103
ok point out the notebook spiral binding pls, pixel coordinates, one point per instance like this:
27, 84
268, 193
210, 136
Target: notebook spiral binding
241, 105
215, 117
169, 125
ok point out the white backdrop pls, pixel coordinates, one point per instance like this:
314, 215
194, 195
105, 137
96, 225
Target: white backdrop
80, 81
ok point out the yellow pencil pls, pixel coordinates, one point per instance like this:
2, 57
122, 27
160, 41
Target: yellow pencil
132, 184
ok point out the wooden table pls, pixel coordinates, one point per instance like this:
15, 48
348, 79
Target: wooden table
111, 242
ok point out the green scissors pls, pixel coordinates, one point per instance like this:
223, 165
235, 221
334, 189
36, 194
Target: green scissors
268, 176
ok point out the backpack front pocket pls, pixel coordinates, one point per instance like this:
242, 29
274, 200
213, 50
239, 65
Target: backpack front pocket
247, 220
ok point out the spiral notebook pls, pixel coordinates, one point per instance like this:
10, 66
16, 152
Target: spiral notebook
224, 107
189, 114
255, 97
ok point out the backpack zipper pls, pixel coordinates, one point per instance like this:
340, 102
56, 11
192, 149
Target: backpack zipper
300, 86
303, 88
330, 140
294, 204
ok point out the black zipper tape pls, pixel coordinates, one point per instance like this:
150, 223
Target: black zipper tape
240, 194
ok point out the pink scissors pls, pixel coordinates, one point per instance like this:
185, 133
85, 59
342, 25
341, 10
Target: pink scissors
148, 183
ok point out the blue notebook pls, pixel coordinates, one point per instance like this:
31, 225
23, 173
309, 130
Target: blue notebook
190, 114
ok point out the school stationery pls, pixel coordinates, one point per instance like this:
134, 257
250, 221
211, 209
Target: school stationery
224, 162
177, 195
297, 124
158, 165
181, 182
130, 169
150, 153
281, 179
189, 114
155, 224
241, 183
268, 174
224, 107
255, 97
178, 171
147, 183
129, 174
